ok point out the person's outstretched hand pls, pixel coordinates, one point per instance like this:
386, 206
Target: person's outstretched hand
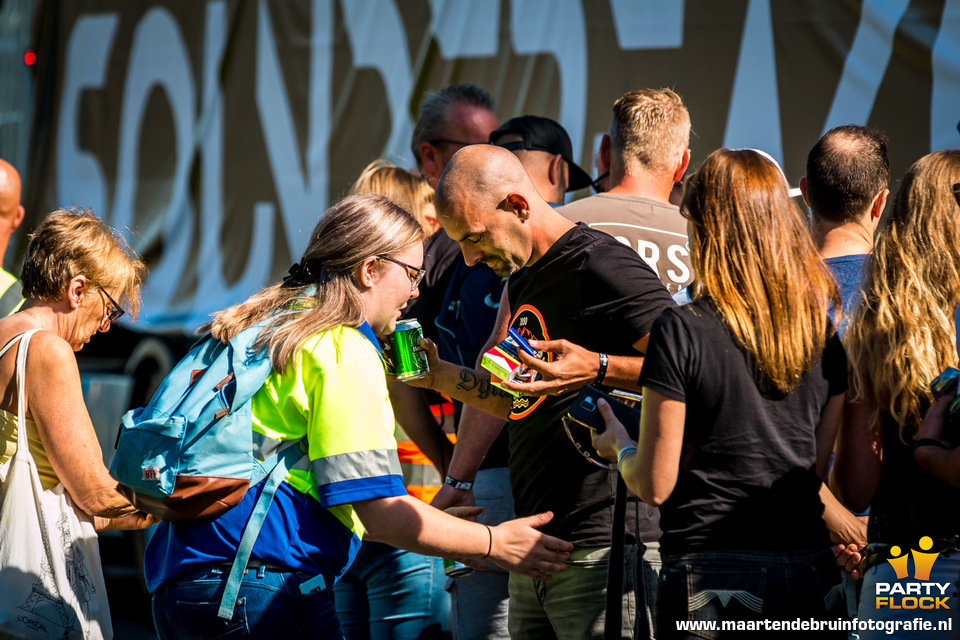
517, 546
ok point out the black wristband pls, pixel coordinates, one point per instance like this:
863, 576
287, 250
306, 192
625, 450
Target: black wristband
602, 371
929, 442
462, 485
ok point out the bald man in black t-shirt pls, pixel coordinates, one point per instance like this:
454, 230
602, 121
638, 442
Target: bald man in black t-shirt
576, 293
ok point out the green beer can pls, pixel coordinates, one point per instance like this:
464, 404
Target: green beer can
403, 357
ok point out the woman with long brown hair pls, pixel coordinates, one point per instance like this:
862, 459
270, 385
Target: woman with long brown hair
742, 390
900, 338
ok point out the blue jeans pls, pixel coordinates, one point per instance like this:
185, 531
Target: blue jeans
743, 585
572, 605
269, 605
648, 572
389, 594
479, 600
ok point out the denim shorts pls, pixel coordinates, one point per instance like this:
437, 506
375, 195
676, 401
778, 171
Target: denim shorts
744, 585
269, 605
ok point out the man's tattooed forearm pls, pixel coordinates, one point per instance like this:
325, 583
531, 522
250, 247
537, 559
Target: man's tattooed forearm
469, 381
487, 388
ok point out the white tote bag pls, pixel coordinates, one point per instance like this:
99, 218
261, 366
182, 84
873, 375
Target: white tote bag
51, 583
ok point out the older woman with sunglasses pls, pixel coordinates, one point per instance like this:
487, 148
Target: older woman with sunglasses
76, 275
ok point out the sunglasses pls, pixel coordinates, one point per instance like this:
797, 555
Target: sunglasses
415, 274
956, 190
438, 141
116, 312
580, 438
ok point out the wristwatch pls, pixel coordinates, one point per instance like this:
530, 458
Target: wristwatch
462, 485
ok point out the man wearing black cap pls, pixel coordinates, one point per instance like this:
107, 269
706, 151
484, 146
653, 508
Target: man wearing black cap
543, 148
645, 153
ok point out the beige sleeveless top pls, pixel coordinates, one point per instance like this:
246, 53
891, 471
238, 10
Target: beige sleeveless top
8, 446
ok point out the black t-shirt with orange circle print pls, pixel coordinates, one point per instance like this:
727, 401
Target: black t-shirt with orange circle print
595, 292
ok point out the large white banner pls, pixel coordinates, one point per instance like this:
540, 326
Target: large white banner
216, 133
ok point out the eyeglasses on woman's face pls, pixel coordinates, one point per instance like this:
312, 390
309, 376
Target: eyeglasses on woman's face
113, 313
415, 274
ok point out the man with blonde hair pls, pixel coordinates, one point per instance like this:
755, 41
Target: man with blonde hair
646, 152
11, 215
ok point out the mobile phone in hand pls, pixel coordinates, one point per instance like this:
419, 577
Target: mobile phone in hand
585, 411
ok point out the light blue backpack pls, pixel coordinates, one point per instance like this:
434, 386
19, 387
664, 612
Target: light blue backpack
191, 453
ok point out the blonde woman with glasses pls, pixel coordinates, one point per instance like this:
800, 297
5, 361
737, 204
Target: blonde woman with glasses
388, 593
328, 391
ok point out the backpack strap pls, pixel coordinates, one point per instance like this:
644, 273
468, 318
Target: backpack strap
281, 464
239, 357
